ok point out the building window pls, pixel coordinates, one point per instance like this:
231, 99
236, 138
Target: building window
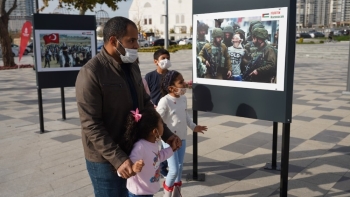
182, 18
177, 19
145, 21
150, 20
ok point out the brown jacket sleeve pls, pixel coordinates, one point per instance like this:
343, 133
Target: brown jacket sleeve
227, 58
89, 100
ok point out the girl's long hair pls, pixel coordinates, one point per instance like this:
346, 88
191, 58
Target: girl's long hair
139, 130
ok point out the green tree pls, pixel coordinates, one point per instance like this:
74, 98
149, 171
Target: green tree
83, 5
5, 39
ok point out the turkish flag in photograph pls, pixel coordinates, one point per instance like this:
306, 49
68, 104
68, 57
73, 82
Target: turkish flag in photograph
52, 38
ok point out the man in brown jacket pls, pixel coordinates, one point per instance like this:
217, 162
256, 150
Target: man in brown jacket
108, 87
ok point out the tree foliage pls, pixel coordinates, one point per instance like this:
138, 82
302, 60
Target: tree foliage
5, 39
83, 5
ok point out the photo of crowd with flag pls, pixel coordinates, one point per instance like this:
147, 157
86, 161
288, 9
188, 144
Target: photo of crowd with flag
64, 50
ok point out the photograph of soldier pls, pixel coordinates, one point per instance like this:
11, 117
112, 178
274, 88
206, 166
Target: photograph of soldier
240, 49
262, 61
202, 30
228, 34
215, 56
68, 50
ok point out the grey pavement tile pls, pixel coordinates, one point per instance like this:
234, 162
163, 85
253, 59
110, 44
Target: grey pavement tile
303, 118
292, 170
71, 110
208, 114
304, 102
263, 123
331, 117
343, 123
23, 108
236, 172
338, 91
341, 149
343, 184
66, 138
3, 117
35, 119
233, 124
238, 148
74, 121
189, 140
322, 99
344, 107
342, 99
296, 96
330, 136
277, 194
323, 109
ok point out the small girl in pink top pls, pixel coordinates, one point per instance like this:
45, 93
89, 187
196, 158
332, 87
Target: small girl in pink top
142, 141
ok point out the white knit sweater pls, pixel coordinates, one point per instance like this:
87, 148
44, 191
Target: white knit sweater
174, 114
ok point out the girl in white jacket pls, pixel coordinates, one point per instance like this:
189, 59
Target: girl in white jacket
172, 108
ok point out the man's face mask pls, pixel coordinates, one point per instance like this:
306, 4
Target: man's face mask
164, 64
130, 54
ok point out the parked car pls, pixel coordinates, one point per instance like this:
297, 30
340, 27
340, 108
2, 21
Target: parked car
317, 35
99, 48
15, 51
160, 42
303, 35
179, 40
344, 32
144, 43
186, 41
26, 51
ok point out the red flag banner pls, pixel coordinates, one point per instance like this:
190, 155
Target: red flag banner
25, 36
52, 38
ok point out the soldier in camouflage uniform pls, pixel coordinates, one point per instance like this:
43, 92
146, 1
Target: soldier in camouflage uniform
249, 36
249, 47
218, 61
228, 34
202, 30
267, 70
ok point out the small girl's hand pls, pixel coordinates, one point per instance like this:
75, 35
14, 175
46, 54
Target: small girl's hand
137, 166
200, 129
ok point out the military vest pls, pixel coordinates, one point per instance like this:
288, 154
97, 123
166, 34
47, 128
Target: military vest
200, 44
217, 56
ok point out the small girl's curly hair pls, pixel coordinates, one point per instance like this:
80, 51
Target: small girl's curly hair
168, 80
139, 130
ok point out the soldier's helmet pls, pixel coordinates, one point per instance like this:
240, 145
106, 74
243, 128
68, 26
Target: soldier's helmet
228, 29
258, 25
217, 32
202, 26
260, 33
252, 24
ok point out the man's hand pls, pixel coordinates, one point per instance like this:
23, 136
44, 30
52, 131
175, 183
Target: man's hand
137, 167
255, 72
174, 139
200, 129
125, 170
229, 74
207, 63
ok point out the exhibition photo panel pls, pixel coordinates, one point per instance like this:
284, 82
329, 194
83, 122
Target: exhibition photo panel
244, 49
63, 50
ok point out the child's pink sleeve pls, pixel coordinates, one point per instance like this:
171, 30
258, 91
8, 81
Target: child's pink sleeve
165, 153
146, 86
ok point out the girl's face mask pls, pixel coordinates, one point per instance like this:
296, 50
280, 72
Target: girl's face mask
180, 91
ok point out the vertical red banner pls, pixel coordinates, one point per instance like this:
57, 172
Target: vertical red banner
25, 36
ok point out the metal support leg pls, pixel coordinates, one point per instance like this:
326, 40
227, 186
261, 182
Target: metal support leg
63, 104
274, 165
285, 160
195, 176
41, 112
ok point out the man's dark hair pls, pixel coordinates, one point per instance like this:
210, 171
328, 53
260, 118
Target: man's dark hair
160, 52
116, 26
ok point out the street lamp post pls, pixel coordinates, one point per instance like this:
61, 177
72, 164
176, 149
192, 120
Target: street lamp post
166, 32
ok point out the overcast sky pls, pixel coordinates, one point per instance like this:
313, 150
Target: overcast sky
122, 11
